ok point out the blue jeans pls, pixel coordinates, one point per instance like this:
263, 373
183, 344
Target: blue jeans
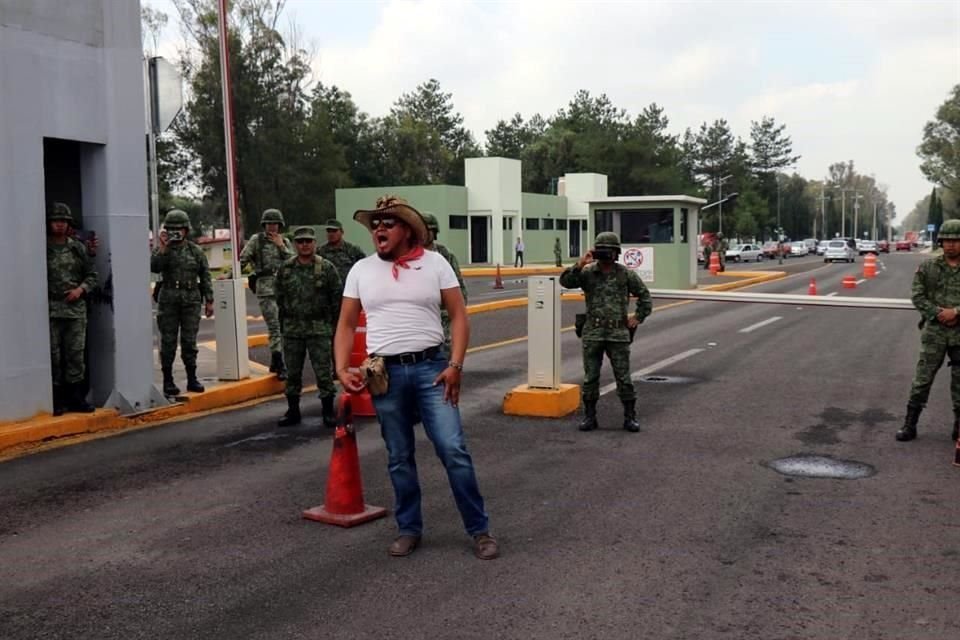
411, 395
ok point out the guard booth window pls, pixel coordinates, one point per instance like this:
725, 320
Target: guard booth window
603, 220
646, 226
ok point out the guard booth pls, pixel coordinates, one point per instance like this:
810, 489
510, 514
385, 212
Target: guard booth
658, 236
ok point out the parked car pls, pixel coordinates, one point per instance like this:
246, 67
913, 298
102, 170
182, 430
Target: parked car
883, 245
811, 244
903, 245
744, 253
798, 248
821, 247
771, 249
868, 246
839, 249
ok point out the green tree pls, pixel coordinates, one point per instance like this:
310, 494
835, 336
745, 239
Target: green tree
940, 149
771, 151
935, 213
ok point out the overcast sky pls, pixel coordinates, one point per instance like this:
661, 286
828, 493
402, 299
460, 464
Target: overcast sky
851, 80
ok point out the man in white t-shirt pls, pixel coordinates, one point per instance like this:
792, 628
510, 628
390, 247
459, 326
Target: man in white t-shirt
401, 288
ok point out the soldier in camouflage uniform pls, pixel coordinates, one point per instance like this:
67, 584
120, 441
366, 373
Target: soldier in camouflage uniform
608, 329
434, 228
936, 295
266, 251
70, 277
308, 289
186, 285
338, 251
557, 252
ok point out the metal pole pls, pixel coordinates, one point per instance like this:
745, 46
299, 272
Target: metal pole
152, 148
874, 221
720, 210
843, 213
779, 226
231, 160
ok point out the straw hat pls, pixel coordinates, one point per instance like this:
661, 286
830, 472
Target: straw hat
399, 208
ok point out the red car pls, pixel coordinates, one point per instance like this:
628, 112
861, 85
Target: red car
883, 245
903, 245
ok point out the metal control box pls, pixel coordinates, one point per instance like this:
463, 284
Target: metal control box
230, 325
543, 332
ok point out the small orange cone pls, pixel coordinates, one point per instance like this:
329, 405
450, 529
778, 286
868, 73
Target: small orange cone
363, 404
344, 504
812, 289
498, 283
849, 282
714, 263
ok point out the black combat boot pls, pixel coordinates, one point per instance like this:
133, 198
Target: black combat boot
277, 366
292, 416
58, 400
76, 399
909, 429
630, 416
589, 422
192, 383
169, 388
329, 415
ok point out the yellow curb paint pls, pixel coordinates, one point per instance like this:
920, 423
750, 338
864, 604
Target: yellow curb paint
258, 340
487, 272
524, 400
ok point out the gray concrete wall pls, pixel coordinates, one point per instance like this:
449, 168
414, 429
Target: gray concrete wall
73, 70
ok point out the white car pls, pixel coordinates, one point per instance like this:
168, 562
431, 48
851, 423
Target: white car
839, 250
745, 253
798, 249
868, 246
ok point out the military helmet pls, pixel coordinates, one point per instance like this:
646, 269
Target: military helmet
272, 215
431, 221
175, 219
607, 240
60, 211
949, 230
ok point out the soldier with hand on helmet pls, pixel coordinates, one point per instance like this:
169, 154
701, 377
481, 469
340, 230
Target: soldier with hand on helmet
265, 252
186, 285
70, 278
606, 328
936, 295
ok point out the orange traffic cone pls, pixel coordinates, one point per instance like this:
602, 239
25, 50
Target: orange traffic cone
849, 282
870, 266
363, 404
498, 283
812, 289
714, 263
344, 505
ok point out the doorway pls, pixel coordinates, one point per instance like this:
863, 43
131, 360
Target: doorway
574, 237
479, 249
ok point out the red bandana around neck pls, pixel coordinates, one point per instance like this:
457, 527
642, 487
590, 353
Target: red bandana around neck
402, 262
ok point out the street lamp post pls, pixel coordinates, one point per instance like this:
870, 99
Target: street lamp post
720, 201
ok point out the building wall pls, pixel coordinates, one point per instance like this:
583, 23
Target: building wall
73, 70
538, 244
442, 201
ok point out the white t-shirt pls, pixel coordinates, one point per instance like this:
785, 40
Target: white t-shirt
403, 315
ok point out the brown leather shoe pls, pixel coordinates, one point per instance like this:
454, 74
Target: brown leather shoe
403, 546
485, 547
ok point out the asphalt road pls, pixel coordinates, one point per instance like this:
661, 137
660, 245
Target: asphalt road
192, 530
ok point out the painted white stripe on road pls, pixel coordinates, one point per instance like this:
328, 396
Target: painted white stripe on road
654, 367
761, 324
861, 280
832, 293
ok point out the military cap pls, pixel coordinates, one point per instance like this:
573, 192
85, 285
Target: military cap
60, 211
333, 223
949, 230
304, 233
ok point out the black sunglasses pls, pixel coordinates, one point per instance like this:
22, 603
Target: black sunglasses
303, 240
388, 223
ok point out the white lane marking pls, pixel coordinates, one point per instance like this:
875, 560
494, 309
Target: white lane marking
654, 367
861, 280
761, 324
832, 293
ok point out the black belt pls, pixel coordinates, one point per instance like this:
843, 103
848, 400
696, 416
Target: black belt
412, 358
178, 284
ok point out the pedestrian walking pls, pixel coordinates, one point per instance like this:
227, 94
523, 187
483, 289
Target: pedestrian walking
606, 328
264, 253
433, 227
186, 286
518, 253
936, 295
410, 373
308, 295
71, 276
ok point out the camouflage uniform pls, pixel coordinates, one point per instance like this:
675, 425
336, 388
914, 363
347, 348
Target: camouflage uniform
186, 286
308, 296
605, 329
936, 285
434, 228
343, 256
68, 267
557, 252
266, 258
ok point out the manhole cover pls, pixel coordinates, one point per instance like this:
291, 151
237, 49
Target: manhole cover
664, 379
811, 466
